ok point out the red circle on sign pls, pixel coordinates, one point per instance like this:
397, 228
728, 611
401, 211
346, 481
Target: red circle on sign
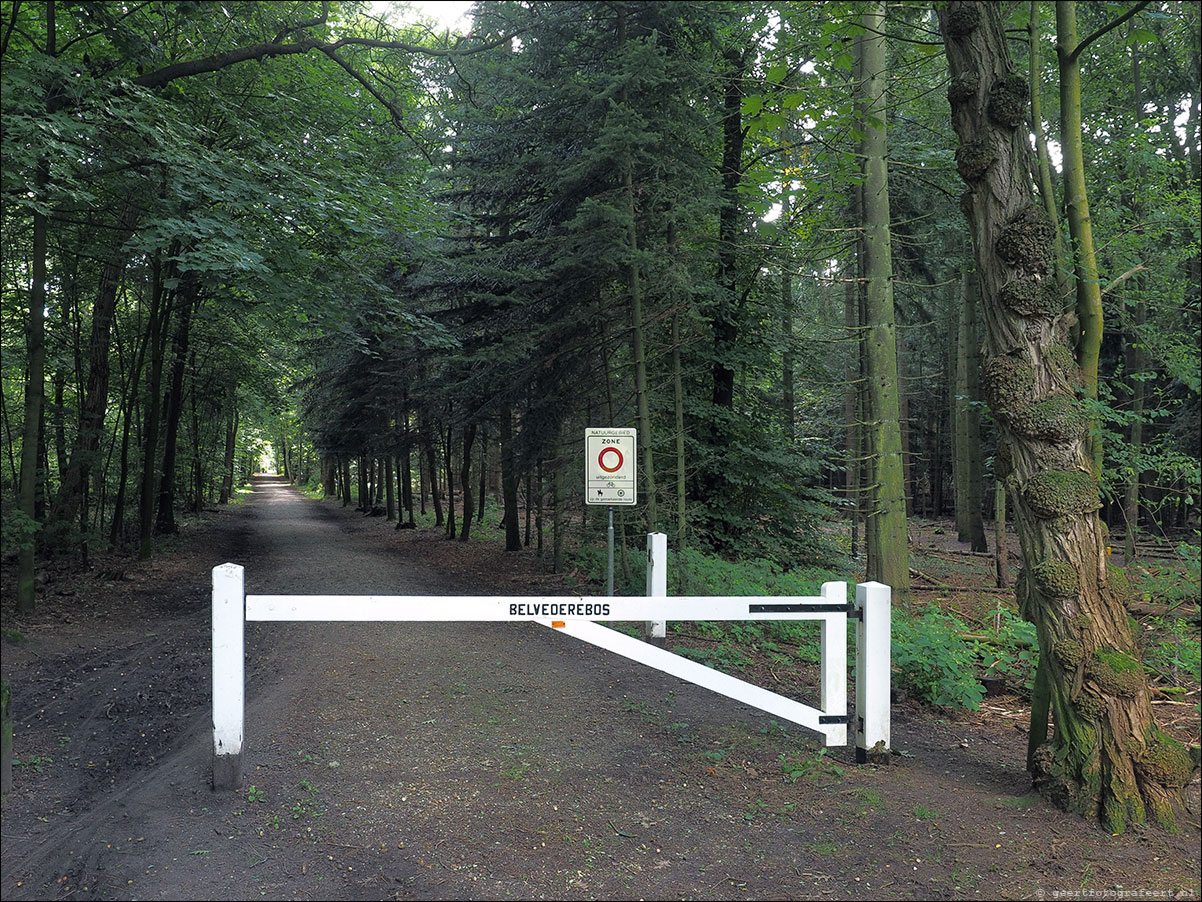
601, 460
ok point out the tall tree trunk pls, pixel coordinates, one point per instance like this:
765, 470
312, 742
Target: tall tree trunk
888, 552
787, 355
432, 474
969, 516
727, 307
483, 474
389, 488
465, 480
678, 404
160, 314
1136, 361
1076, 202
1000, 569
231, 445
1107, 757
406, 477
450, 471
1047, 189
186, 299
851, 401
509, 482
35, 350
634, 283
91, 415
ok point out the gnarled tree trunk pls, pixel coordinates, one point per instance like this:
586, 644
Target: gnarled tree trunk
1107, 757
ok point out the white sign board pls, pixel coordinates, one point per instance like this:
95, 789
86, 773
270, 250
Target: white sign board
609, 466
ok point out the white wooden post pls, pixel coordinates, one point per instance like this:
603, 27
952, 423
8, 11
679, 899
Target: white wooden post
229, 627
833, 639
657, 584
873, 650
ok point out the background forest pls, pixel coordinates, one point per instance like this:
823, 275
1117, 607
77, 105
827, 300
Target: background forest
411, 268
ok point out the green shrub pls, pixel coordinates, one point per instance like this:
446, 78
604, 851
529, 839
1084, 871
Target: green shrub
1011, 650
933, 660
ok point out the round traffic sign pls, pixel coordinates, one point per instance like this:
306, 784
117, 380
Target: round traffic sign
605, 466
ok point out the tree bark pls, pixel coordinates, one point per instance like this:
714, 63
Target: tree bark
509, 482
969, 496
1076, 202
888, 552
35, 375
91, 415
186, 299
465, 480
1107, 758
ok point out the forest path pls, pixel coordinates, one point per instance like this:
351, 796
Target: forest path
418, 760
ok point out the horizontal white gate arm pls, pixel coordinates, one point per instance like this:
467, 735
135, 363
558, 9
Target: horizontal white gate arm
832, 726
445, 608
574, 615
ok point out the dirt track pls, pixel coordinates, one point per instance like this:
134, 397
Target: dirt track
479, 760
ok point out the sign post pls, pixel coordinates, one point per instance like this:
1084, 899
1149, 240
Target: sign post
610, 476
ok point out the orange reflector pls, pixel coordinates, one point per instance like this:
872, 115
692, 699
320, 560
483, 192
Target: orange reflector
557, 623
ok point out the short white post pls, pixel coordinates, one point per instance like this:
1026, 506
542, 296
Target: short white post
229, 626
873, 650
656, 631
833, 640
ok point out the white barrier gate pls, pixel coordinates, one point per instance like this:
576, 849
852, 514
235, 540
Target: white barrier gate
574, 615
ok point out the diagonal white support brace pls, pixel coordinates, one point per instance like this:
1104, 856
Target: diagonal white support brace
714, 680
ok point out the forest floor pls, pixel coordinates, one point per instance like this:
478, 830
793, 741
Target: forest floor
490, 761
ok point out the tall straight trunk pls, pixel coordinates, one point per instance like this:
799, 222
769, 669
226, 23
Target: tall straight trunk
529, 503
888, 552
450, 472
405, 473
231, 445
557, 502
1107, 757
1047, 189
483, 474
1076, 202
955, 410
1000, 569
538, 507
903, 421
432, 474
129, 405
363, 483
969, 517
678, 404
727, 309
509, 482
345, 471
465, 480
389, 488
35, 350
186, 299
1136, 361
35, 387
787, 354
91, 415
638, 338
160, 314
851, 403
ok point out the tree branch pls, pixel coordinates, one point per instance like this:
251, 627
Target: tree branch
397, 118
1133, 11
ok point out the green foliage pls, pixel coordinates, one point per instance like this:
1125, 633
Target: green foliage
934, 661
1010, 650
17, 529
